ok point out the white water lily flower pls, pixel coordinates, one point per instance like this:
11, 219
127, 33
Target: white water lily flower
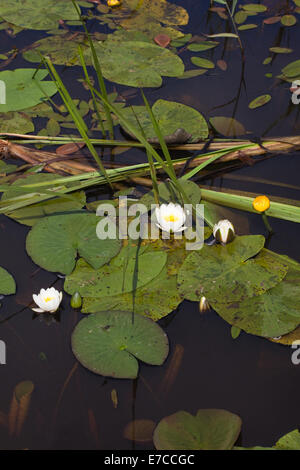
223, 231
203, 305
48, 300
170, 217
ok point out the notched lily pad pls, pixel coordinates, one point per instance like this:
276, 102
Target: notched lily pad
210, 429
110, 343
7, 283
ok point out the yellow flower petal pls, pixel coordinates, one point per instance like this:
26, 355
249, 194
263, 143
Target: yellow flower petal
261, 203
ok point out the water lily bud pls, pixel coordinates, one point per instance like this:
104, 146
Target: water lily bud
261, 203
203, 305
76, 300
223, 231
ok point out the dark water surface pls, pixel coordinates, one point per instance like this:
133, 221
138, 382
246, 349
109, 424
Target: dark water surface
249, 376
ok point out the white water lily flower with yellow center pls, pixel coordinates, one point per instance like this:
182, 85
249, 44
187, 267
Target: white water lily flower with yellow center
48, 300
170, 217
223, 231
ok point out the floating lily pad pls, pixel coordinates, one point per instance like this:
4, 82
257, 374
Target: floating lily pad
209, 430
201, 62
110, 343
54, 242
254, 8
272, 314
22, 91
60, 49
202, 46
170, 116
290, 441
292, 70
33, 14
115, 278
15, 122
281, 50
137, 63
260, 101
288, 20
7, 283
246, 27
226, 274
32, 214
144, 299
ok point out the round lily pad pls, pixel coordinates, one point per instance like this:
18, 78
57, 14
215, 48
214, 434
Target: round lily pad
110, 343
170, 116
210, 429
54, 242
7, 283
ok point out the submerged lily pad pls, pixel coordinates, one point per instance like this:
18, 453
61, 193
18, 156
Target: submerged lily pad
226, 274
54, 242
7, 283
210, 429
34, 14
167, 193
272, 314
227, 126
137, 63
32, 214
15, 122
110, 343
170, 116
23, 91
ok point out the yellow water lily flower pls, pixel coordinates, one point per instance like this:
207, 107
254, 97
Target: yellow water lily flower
261, 203
170, 217
223, 231
48, 300
114, 3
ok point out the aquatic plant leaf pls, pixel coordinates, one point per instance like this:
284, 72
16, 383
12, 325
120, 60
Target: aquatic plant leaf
292, 69
201, 62
245, 27
14, 122
259, 101
59, 48
210, 429
19, 406
116, 278
6, 168
54, 242
167, 193
254, 8
281, 50
144, 299
7, 283
192, 73
202, 46
290, 441
272, 314
170, 117
32, 214
288, 20
137, 64
22, 91
226, 274
110, 343
139, 430
227, 126
33, 14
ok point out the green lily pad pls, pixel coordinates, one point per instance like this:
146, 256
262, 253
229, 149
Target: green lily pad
254, 8
246, 27
290, 441
170, 116
292, 69
22, 91
116, 278
137, 63
226, 274
54, 242
7, 283
201, 62
210, 429
60, 50
144, 299
15, 122
167, 193
288, 20
32, 214
110, 343
202, 46
33, 14
281, 50
260, 101
272, 314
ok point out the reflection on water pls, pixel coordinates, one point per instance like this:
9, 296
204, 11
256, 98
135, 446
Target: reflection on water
206, 368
